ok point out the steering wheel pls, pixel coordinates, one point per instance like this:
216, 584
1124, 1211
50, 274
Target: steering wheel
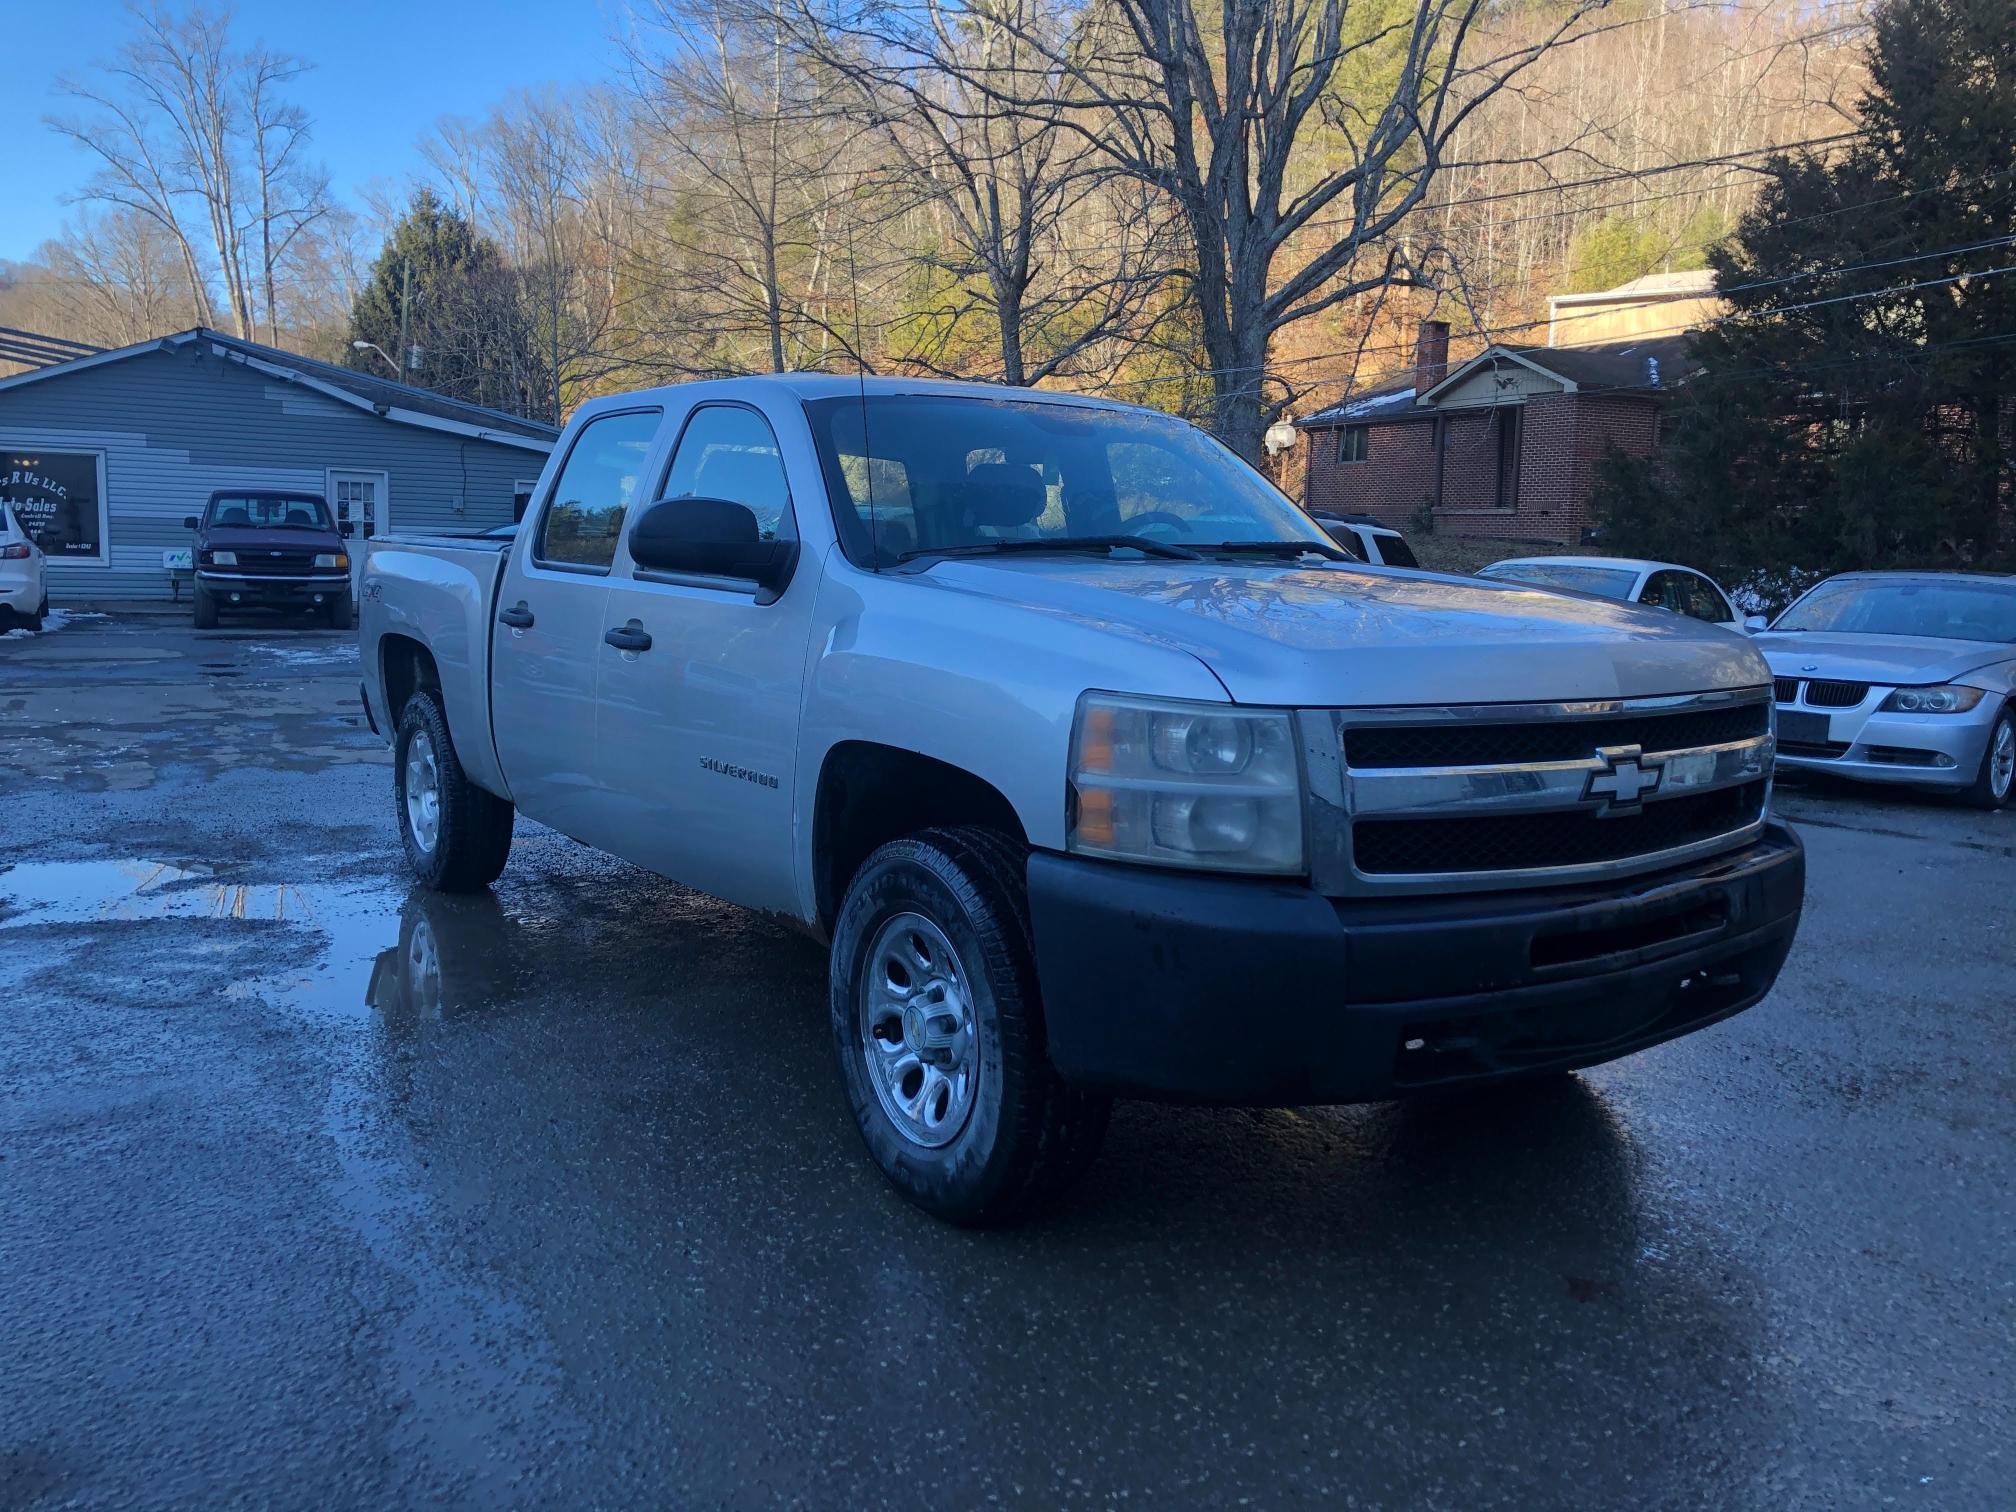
1134, 524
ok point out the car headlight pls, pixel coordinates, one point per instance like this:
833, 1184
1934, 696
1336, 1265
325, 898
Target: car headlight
1946, 700
332, 559
223, 558
1185, 784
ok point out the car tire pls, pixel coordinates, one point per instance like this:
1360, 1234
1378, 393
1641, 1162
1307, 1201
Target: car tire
960, 1108
457, 835
206, 610
1995, 783
340, 612
41, 613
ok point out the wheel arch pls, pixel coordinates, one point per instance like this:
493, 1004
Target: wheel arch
869, 793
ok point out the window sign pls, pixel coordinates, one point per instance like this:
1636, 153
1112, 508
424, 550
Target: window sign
58, 498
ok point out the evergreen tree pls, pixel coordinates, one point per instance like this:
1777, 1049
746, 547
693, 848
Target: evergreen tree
1859, 408
466, 329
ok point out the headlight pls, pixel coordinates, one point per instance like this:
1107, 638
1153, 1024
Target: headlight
1948, 700
223, 559
1183, 784
332, 559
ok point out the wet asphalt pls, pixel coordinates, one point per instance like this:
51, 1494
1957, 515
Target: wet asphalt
317, 1190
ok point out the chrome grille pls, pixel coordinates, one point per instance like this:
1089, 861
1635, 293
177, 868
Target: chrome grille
1442, 745
1521, 841
1487, 796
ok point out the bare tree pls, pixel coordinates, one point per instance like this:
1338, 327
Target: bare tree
1215, 108
179, 126
1040, 239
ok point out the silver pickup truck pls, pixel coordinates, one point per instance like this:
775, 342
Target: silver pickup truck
1097, 766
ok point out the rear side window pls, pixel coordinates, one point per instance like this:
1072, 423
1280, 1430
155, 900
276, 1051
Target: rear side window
595, 490
1395, 552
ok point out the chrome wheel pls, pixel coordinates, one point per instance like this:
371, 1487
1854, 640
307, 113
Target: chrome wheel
918, 1033
423, 791
2002, 760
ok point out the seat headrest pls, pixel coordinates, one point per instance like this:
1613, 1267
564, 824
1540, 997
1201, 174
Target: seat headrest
235, 515
1002, 495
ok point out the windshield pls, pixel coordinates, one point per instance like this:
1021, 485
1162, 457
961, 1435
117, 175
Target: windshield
268, 512
948, 472
1951, 610
1608, 582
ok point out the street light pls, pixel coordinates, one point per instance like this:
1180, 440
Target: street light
372, 346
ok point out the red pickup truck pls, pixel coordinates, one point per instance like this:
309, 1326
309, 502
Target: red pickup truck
270, 550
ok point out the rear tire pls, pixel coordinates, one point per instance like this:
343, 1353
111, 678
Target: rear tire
206, 610
1995, 783
457, 835
41, 612
339, 612
938, 1026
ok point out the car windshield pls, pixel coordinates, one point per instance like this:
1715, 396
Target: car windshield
1949, 610
1607, 582
952, 473
268, 512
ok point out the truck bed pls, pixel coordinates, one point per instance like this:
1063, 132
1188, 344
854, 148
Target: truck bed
439, 591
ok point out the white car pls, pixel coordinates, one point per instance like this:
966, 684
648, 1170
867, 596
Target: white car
24, 586
1657, 585
1368, 539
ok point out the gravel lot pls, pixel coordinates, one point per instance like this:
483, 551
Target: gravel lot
316, 1191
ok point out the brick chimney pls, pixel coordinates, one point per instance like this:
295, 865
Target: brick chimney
1431, 355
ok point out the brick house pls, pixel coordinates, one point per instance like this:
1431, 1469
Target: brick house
1505, 444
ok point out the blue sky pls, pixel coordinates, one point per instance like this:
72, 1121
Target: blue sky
385, 70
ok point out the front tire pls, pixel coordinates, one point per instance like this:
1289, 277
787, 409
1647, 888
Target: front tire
206, 609
339, 612
1996, 781
457, 835
938, 1026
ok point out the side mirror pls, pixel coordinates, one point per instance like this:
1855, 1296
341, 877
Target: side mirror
346, 528
190, 522
1752, 623
712, 538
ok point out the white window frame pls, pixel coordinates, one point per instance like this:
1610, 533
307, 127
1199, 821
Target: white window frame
71, 449
329, 475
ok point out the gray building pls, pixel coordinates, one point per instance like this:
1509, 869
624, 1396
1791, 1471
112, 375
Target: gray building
104, 455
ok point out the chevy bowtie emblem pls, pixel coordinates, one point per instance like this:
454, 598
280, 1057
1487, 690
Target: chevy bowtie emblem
1623, 781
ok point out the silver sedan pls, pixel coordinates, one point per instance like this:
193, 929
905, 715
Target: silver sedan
1906, 677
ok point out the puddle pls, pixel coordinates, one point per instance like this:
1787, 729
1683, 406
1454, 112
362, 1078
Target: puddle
355, 924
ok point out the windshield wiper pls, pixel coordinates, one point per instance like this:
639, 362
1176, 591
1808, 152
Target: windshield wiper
1143, 544
1283, 549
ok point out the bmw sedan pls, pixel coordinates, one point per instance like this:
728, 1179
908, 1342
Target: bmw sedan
1901, 677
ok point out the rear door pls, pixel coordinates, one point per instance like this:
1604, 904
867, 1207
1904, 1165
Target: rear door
546, 639
698, 733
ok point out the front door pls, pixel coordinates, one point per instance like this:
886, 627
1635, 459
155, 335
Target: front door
551, 613
359, 500
697, 733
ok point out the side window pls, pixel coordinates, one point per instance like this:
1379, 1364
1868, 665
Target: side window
1662, 591
1705, 603
595, 490
728, 452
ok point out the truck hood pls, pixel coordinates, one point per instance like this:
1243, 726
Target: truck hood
1344, 635
1876, 658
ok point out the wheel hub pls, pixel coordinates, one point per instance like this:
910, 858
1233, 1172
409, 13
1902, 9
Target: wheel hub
919, 1037
423, 791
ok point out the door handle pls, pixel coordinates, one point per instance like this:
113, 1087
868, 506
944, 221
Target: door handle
518, 616
629, 637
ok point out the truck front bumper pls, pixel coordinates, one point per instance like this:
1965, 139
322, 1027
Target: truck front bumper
1212, 989
248, 590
